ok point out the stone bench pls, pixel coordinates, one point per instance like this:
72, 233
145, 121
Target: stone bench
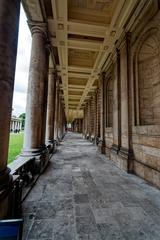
18, 163
25, 172
25, 168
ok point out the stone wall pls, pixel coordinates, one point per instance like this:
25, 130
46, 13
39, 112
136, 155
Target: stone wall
146, 95
149, 82
134, 141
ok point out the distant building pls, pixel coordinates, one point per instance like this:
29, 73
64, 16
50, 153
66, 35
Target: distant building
15, 124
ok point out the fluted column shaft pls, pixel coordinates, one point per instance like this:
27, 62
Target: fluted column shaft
9, 25
34, 138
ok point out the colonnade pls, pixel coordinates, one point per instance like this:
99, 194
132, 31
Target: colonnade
92, 117
45, 117
15, 124
77, 125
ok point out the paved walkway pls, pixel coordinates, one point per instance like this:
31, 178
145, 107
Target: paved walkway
83, 196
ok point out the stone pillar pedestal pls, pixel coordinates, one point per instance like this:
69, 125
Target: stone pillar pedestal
9, 24
34, 137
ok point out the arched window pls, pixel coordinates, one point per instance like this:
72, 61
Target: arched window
109, 103
148, 66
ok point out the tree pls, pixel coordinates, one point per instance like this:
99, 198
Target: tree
23, 117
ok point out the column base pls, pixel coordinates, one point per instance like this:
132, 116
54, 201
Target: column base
83, 136
115, 149
87, 136
40, 155
95, 141
92, 138
123, 158
57, 142
127, 155
50, 146
101, 146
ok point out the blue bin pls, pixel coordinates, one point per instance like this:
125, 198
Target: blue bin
11, 229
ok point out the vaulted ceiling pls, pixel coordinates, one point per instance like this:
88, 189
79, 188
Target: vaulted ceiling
82, 33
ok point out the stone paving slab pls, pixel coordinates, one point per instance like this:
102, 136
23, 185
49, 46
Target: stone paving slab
83, 196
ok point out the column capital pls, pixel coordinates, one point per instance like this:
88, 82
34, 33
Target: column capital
40, 28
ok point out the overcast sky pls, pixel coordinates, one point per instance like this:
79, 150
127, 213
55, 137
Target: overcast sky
22, 66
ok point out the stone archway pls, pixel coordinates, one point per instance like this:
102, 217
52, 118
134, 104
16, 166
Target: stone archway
148, 67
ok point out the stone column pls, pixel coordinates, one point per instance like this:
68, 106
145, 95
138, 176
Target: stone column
84, 122
95, 113
126, 151
92, 117
98, 99
9, 24
79, 125
102, 116
62, 121
34, 137
51, 108
87, 120
17, 124
116, 105
56, 111
59, 117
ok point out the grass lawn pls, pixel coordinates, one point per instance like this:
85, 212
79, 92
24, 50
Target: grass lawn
15, 145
